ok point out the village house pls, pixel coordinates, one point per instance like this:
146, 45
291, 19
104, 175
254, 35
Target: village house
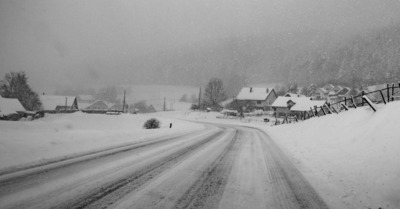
52, 103
290, 106
9, 106
94, 107
262, 98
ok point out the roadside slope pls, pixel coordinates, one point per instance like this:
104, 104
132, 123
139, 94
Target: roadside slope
353, 157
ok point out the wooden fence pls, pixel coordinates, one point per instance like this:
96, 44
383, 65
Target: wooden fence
385, 95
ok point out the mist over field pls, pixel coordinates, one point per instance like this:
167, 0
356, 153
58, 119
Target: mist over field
91, 44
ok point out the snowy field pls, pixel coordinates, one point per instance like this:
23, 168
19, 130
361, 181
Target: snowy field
32, 142
352, 159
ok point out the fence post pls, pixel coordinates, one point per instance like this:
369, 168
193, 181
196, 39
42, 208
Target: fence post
383, 97
328, 108
334, 110
388, 92
344, 106
354, 103
312, 111
362, 95
369, 102
345, 101
316, 111
392, 92
323, 111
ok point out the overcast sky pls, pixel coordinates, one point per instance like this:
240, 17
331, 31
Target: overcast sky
86, 42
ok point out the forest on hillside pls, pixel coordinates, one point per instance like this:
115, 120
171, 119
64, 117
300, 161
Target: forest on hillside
300, 57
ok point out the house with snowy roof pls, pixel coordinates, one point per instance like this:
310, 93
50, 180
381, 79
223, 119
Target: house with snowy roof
284, 106
9, 106
262, 98
53, 103
94, 107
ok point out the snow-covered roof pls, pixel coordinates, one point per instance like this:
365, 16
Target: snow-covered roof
328, 87
98, 105
344, 91
305, 105
301, 103
283, 101
50, 102
8, 106
294, 95
254, 93
375, 87
335, 90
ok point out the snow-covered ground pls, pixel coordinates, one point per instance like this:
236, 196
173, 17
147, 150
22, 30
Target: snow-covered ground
352, 159
58, 135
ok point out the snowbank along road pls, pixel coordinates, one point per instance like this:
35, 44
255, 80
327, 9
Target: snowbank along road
224, 166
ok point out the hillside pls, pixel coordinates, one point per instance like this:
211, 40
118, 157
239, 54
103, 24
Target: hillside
302, 57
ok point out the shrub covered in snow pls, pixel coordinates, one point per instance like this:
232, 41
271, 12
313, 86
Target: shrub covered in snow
152, 123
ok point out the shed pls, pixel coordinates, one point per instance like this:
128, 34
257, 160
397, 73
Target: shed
10, 106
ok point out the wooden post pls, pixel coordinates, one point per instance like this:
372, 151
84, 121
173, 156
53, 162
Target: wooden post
344, 106
334, 110
316, 111
345, 101
369, 102
392, 92
312, 111
329, 110
362, 95
354, 103
388, 93
383, 97
323, 111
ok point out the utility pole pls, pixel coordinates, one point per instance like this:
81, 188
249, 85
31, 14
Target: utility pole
123, 103
199, 97
164, 105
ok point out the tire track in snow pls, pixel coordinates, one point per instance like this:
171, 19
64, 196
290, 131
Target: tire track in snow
207, 191
293, 191
11, 176
105, 195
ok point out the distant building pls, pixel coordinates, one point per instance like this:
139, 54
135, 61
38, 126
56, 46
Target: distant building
52, 103
262, 98
293, 95
95, 107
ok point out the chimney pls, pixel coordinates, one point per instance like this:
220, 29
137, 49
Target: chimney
251, 89
267, 90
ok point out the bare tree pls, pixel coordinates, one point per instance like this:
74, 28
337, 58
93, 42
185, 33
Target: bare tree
214, 92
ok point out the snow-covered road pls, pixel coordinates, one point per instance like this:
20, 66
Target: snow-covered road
222, 166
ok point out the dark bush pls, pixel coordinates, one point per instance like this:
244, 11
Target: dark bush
152, 123
194, 107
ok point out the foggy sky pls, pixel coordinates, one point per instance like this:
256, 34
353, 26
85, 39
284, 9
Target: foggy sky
95, 42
